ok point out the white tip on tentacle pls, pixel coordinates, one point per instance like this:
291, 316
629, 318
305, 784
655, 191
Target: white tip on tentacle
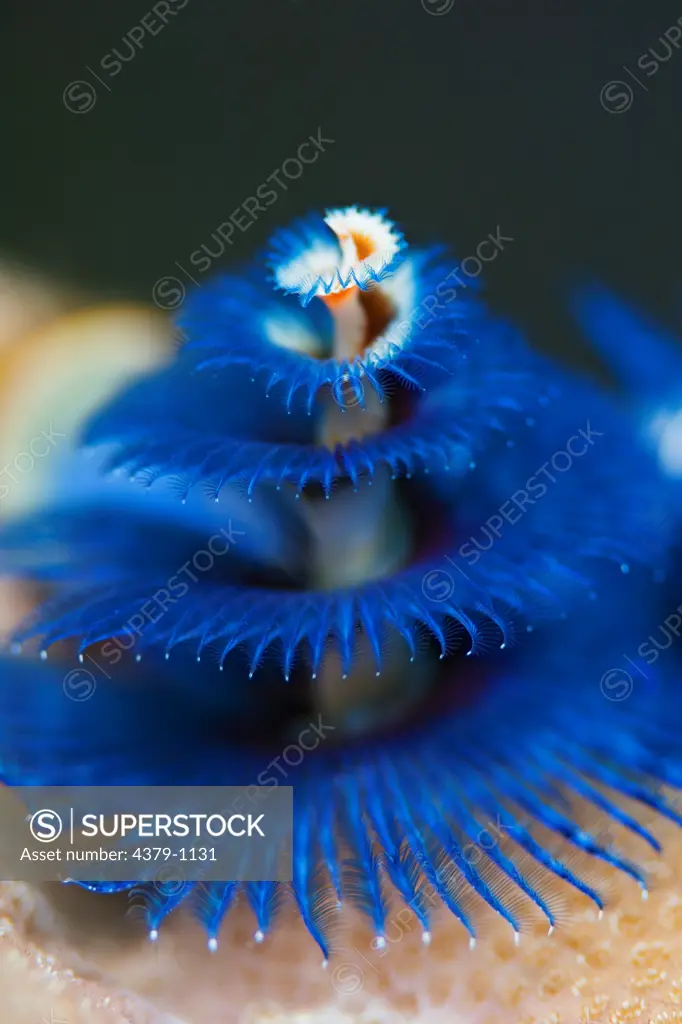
366, 244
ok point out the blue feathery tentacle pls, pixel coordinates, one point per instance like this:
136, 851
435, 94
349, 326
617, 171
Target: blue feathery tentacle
363, 870
520, 544
225, 431
412, 794
646, 358
265, 899
539, 504
210, 903
315, 903
326, 836
229, 322
319, 236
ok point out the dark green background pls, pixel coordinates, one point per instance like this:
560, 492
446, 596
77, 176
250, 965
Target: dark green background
488, 115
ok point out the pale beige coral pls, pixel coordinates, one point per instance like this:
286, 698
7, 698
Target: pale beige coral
27, 300
625, 967
53, 376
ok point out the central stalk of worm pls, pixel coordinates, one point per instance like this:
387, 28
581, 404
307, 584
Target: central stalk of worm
350, 323
359, 533
357, 317
359, 536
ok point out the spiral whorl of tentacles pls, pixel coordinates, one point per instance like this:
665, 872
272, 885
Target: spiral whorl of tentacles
400, 484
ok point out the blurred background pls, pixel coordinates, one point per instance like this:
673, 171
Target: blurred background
136, 132
128, 142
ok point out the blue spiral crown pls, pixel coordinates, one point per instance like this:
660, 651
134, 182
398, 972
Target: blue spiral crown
367, 500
